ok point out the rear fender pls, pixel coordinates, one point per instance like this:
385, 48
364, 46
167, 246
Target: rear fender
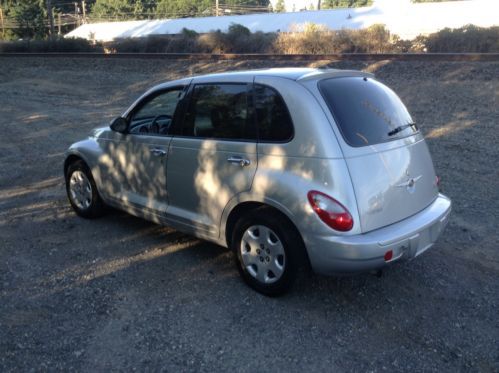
287, 192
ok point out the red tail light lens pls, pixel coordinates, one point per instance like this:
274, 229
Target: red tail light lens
330, 211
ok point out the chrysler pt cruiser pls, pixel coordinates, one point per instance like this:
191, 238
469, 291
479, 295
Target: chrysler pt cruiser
286, 167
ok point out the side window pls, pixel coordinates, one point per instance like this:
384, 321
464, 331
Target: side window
154, 117
219, 111
274, 121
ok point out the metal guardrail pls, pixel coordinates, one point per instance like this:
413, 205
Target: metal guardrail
276, 57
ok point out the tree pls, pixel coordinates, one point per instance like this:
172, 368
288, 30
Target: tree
328, 4
280, 7
182, 8
245, 2
118, 9
30, 16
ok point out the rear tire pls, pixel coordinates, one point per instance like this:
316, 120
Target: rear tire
82, 191
268, 251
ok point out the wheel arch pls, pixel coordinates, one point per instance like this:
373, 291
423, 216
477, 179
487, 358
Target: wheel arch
72, 158
245, 207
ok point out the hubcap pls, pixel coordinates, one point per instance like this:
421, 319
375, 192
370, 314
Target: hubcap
80, 190
262, 254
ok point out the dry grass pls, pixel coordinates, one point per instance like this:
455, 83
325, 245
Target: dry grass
308, 38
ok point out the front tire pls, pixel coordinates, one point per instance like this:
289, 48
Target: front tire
82, 191
267, 250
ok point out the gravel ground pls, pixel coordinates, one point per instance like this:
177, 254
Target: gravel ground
126, 294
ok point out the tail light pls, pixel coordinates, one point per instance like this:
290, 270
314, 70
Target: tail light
330, 211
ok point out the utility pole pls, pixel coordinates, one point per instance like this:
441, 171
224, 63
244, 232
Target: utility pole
51, 17
1, 20
216, 8
84, 11
59, 23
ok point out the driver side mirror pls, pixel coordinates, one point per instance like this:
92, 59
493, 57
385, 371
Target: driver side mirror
119, 124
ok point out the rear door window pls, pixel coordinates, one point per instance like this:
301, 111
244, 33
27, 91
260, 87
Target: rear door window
219, 111
366, 111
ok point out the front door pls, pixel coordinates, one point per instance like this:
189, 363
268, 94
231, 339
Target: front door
213, 158
147, 150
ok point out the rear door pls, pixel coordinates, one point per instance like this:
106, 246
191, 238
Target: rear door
213, 156
389, 163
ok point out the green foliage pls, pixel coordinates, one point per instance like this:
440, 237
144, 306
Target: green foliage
137, 9
46, 46
238, 31
189, 33
280, 6
31, 17
182, 8
328, 4
117, 9
245, 2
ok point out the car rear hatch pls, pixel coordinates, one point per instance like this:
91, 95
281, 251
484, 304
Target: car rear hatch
389, 163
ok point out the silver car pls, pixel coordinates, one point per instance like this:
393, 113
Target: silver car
287, 167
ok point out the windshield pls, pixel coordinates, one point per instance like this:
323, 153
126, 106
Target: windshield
366, 111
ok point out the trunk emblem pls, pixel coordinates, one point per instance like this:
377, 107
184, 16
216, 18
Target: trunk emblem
410, 184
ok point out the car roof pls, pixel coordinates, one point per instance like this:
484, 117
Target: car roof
292, 73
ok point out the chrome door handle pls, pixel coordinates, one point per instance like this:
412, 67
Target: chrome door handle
158, 152
240, 161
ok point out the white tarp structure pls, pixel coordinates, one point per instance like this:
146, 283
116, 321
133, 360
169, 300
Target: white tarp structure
401, 17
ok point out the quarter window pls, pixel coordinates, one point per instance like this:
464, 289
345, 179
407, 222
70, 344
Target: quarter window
274, 121
219, 111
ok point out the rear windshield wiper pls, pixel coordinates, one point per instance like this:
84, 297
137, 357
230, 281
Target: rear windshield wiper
401, 128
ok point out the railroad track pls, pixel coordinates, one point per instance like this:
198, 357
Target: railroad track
276, 57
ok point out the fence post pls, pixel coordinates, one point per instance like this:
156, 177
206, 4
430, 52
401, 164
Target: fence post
1, 20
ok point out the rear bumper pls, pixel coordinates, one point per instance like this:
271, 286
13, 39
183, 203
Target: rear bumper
407, 239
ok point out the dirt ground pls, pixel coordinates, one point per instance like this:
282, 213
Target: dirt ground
122, 293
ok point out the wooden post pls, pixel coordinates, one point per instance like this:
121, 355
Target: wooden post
84, 11
59, 23
216, 8
77, 18
1, 20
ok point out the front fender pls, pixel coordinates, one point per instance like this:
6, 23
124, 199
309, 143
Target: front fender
89, 151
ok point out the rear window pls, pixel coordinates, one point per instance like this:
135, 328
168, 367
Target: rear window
366, 111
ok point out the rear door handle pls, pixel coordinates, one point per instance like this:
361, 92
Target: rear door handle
239, 161
158, 152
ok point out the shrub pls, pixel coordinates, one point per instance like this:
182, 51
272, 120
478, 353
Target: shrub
213, 42
305, 38
312, 38
47, 46
308, 38
189, 33
469, 38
